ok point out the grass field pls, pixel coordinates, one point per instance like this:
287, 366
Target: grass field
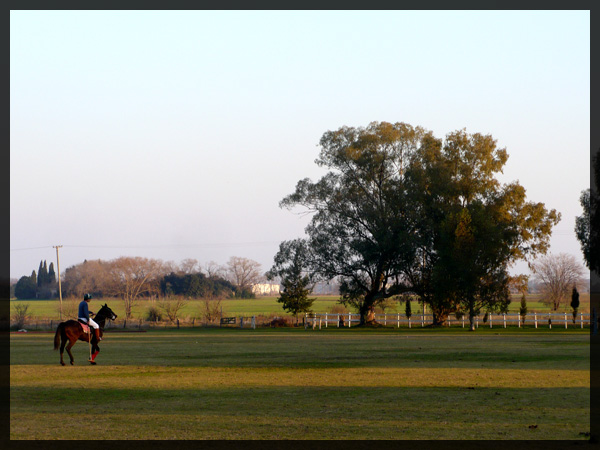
304, 384
49, 309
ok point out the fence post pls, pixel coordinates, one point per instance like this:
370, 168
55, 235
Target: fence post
549, 320
305, 320
409, 322
422, 320
254, 322
490, 317
349, 319
504, 319
398, 320
581, 319
463, 320
519, 319
535, 319
325, 320
477, 321
565, 320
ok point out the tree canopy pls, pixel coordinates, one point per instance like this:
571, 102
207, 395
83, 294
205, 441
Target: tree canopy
586, 225
403, 211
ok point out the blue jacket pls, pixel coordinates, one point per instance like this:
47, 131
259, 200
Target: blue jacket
84, 312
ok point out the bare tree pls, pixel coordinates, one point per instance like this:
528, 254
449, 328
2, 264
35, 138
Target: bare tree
172, 306
21, 315
244, 272
88, 276
132, 277
557, 274
69, 308
189, 266
214, 270
211, 310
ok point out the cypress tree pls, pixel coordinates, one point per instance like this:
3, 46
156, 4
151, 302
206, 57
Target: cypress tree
408, 309
523, 309
51, 274
34, 278
40, 277
575, 303
45, 278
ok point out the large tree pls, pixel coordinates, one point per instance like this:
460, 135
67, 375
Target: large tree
402, 211
361, 231
290, 266
25, 288
470, 227
586, 225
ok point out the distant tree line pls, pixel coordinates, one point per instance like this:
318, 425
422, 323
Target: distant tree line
38, 285
134, 278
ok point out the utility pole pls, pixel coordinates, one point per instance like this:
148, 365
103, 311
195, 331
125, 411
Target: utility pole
58, 269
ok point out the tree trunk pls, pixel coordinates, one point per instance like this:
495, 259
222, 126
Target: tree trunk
367, 313
440, 314
439, 319
471, 317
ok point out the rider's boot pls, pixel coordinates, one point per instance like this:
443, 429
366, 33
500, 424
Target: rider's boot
97, 333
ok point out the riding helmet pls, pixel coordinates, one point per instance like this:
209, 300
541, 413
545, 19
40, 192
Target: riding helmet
87, 296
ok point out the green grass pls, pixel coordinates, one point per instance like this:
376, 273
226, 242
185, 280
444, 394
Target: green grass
49, 309
305, 384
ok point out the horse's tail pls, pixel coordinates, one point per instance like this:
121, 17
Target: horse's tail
59, 332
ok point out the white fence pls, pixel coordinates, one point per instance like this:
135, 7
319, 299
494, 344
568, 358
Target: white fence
547, 320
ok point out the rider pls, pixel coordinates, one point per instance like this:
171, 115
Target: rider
84, 315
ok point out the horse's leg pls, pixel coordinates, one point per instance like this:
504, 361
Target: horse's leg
63, 341
71, 344
95, 351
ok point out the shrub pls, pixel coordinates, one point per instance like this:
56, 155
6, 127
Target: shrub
278, 322
21, 315
211, 310
154, 314
172, 306
70, 308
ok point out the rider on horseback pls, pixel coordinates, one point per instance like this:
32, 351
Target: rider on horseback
84, 315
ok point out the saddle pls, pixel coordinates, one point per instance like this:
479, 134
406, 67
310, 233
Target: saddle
85, 326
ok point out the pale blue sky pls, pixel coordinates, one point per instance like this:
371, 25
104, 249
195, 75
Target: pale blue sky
175, 134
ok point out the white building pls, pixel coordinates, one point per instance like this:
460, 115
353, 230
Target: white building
265, 289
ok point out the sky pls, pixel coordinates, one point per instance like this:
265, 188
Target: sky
175, 134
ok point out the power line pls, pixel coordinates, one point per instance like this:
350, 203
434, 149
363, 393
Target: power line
206, 245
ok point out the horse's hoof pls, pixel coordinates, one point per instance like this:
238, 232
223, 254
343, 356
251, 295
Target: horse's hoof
72, 363
93, 363
62, 363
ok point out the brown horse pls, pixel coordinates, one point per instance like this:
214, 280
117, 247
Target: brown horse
72, 331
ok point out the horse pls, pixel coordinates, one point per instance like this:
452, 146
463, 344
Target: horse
72, 331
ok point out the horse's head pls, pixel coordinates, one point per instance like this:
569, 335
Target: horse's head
105, 311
